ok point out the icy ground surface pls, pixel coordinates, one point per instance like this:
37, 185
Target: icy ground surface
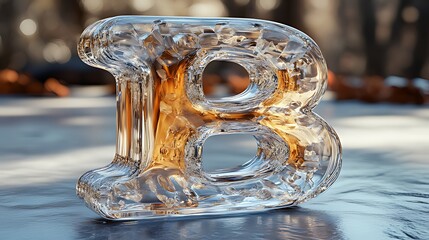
46, 144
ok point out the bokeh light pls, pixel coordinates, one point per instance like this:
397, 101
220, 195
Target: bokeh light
56, 52
142, 6
93, 6
214, 8
410, 14
268, 5
28, 27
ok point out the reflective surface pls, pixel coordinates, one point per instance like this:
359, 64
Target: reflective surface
164, 118
381, 193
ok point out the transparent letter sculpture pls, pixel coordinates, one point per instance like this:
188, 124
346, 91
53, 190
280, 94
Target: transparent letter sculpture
163, 117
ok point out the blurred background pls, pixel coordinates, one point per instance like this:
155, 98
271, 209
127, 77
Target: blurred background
376, 50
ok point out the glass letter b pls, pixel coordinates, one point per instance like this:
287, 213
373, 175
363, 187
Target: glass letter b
163, 117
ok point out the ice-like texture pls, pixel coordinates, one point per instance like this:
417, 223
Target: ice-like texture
163, 117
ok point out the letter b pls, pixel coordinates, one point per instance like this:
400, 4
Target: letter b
164, 118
